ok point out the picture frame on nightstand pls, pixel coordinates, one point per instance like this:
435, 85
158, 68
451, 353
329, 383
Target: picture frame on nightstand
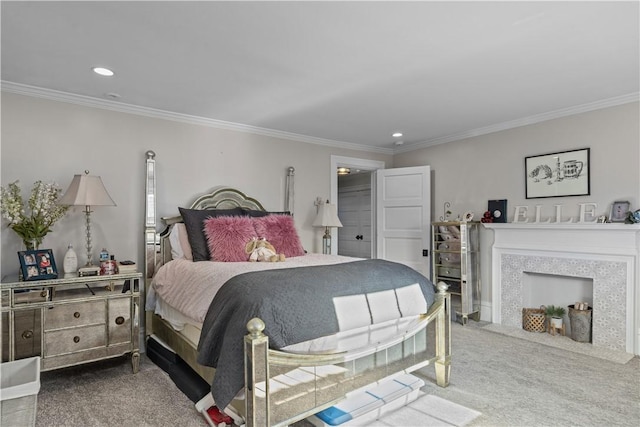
38, 264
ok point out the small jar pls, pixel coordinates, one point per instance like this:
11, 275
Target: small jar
109, 267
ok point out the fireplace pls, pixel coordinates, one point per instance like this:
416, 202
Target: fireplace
606, 255
543, 289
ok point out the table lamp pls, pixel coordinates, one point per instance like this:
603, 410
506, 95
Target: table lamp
327, 217
87, 190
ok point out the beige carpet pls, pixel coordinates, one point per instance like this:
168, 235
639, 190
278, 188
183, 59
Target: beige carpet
507, 380
517, 382
108, 394
558, 341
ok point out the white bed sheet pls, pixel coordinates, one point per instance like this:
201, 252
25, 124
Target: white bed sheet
179, 321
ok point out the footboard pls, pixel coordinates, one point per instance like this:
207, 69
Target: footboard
281, 388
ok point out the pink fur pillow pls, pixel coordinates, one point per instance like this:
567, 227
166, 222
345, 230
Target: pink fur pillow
281, 232
227, 237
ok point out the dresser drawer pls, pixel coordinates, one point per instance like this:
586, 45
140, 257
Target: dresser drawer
119, 320
449, 272
74, 339
71, 315
450, 245
27, 332
23, 297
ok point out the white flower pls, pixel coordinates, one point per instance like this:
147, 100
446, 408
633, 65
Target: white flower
43, 205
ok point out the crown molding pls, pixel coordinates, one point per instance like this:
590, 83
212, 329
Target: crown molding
556, 114
88, 101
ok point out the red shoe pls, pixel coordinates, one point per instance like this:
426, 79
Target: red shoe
219, 419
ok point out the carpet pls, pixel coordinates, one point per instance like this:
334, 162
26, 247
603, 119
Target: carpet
558, 341
510, 381
108, 394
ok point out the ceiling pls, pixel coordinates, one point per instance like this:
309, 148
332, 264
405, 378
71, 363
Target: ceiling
343, 73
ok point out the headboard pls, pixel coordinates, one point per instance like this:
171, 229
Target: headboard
156, 243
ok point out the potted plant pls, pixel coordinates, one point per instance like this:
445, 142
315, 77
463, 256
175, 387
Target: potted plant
555, 315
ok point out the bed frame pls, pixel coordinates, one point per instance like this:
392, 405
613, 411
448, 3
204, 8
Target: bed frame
325, 379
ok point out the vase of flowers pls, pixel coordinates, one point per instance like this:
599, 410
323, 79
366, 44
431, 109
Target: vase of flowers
33, 221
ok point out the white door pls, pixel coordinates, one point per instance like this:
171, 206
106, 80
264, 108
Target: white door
403, 216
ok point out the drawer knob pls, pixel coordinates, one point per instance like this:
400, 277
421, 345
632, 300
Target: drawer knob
119, 320
27, 334
43, 294
76, 314
76, 339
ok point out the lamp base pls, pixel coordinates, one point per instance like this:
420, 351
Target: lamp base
92, 270
326, 242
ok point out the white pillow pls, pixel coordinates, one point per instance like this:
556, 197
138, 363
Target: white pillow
179, 240
174, 240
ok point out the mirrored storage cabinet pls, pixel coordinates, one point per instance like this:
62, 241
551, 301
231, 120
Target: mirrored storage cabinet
456, 261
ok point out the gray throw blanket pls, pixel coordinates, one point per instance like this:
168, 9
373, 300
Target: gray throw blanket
296, 305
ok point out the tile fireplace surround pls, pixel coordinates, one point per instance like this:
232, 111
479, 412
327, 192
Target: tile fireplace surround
608, 254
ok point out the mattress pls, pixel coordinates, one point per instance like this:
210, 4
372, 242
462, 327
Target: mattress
361, 338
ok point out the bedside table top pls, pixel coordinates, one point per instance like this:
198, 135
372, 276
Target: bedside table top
12, 281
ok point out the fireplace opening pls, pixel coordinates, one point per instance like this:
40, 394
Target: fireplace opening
551, 289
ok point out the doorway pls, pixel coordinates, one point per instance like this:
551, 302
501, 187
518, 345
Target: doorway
365, 168
355, 213
400, 211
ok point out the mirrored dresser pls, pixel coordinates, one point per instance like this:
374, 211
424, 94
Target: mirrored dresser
70, 321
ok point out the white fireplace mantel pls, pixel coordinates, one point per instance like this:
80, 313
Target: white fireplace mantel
607, 253
579, 237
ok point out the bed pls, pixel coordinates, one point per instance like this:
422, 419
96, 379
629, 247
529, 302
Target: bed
279, 341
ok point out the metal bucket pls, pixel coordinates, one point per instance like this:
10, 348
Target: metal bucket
580, 321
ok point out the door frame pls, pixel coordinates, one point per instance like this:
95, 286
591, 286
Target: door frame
355, 163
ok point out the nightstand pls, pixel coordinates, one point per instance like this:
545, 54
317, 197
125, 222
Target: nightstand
71, 321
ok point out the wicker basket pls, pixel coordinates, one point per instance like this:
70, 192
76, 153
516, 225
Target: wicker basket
533, 319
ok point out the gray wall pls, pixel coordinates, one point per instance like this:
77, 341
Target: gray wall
50, 140
468, 173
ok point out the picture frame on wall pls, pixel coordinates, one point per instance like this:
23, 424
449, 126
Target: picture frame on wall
560, 174
38, 264
619, 211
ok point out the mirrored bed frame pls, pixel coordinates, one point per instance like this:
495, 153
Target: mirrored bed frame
329, 376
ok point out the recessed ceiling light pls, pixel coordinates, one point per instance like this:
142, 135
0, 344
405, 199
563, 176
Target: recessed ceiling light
103, 71
396, 134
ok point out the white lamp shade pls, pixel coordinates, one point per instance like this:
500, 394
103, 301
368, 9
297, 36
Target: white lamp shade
86, 190
327, 216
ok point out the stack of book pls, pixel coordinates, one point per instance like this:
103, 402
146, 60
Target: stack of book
127, 267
